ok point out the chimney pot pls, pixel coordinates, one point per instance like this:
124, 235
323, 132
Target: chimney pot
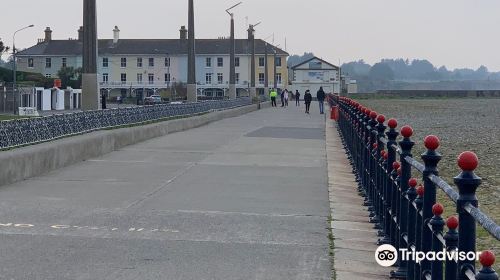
183, 33
116, 35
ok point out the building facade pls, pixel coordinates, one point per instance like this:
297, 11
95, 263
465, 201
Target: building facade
141, 67
313, 74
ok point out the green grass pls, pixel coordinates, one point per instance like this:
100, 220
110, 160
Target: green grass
9, 117
331, 247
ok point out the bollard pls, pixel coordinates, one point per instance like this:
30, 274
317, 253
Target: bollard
412, 194
437, 224
451, 238
406, 145
487, 259
431, 159
419, 202
467, 183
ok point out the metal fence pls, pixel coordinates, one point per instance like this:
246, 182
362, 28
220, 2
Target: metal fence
20, 132
408, 216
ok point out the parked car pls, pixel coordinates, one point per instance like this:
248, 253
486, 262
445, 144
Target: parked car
153, 99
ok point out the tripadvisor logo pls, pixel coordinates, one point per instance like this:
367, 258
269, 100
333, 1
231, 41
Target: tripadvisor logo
386, 255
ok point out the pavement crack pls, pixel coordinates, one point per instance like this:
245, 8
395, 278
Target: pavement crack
161, 187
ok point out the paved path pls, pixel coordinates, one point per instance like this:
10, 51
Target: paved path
354, 236
242, 198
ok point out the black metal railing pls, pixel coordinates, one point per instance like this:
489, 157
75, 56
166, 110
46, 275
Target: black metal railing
409, 217
20, 132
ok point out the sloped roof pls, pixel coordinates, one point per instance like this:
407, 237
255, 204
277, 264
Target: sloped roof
314, 58
147, 46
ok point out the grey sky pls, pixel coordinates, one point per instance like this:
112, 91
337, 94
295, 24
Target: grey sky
456, 33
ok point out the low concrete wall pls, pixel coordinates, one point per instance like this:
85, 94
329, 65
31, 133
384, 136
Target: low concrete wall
30, 161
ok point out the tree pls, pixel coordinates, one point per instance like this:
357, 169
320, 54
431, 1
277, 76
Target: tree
3, 48
381, 71
70, 77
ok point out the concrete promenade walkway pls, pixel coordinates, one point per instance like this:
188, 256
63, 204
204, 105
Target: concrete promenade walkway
242, 198
354, 237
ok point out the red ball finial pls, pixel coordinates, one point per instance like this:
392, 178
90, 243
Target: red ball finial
468, 161
437, 209
386, 156
399, 171
452, 222
381, 118
412, 183
407, 131
392, 123
375, 145
487, 258
420, 191
395, 165
373, 114
431, 142
368, 112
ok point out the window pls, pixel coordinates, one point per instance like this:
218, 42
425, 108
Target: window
208, 62
105, 78
220, 62
261, 78
151, 78
48, 75
167, 61
237, 62
220, 78
105, 62
48, 62
139, 78
151, 62
208, 78
278, 78
262, 61
123, 78
123, 63
167, 78
139, 62
64, 62
278, 62
237, 78
31, 63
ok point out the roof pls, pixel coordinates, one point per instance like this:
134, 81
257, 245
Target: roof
147, 46
314, 58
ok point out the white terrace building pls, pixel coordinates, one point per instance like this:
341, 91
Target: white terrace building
313, 74
136, 66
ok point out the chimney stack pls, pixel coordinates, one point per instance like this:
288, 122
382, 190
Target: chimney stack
48, 35
184, 33
116, 35
80, 34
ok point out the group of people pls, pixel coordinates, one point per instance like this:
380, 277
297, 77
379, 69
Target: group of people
320, 96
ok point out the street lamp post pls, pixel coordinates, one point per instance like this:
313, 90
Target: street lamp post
274, 67
251, 38
232, 70
14, 86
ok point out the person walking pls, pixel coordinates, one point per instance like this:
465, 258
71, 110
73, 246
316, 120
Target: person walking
285, 95
282, 95
307, 100
321, 100
273, 94
297, 98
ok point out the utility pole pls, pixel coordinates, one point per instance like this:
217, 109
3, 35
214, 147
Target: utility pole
192, 95
232, 68
14, 84
90, 89
251, 38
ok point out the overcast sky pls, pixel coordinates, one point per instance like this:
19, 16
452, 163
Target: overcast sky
455, 33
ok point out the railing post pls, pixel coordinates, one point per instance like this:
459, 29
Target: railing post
437, 224
394, 204
406, 145
379, 170
487, 259
431, 159
372, 132
419, 202
451, 238
412, 194
467, 183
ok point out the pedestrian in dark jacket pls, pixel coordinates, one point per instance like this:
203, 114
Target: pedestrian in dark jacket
321, 100
282, 95
297, 98
307, 100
